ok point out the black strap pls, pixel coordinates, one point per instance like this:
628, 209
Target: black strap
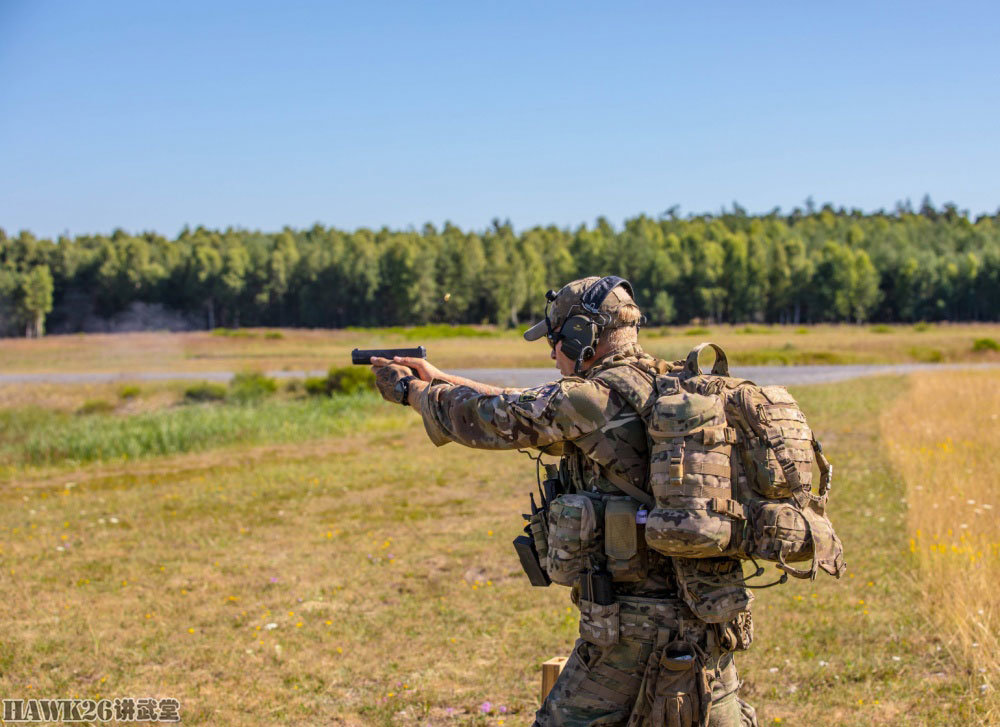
594, 296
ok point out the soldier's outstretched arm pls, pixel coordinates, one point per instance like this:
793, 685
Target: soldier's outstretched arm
537, 417
428, 372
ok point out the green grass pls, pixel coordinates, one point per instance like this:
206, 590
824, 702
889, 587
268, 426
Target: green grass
985, 344
34, 436
790, 356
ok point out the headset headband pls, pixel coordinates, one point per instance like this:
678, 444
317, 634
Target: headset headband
594, 296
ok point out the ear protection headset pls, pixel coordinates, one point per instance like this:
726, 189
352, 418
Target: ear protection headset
580, 332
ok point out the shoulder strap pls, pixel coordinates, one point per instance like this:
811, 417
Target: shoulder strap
629, 489
635, 386
633, 383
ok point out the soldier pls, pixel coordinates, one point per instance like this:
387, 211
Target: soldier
643, 658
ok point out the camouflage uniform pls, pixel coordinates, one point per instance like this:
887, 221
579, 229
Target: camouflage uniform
601, 438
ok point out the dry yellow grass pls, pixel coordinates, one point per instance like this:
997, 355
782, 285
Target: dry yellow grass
943, 439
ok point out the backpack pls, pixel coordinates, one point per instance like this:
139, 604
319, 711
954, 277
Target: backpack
731, 471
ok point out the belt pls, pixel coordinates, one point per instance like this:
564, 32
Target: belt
642, 618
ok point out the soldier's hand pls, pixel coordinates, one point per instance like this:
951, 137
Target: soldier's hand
387, 375
423, 368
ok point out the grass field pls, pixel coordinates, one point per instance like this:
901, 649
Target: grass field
486, 347
346, 572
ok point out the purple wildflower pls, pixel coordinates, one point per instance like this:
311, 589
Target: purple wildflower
485, 707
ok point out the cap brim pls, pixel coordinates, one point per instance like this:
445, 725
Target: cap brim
536, 331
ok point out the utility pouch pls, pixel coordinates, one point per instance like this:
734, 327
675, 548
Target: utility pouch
599, 623
526, 552
624, 540
575, 528
713, 587
538, 529
780, 532
676, 689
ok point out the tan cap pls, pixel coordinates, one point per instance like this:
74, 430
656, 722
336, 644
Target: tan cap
569, 301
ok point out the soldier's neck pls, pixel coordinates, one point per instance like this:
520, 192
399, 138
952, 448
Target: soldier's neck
604, 356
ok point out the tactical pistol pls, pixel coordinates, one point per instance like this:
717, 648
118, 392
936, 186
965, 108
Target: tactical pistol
362, 357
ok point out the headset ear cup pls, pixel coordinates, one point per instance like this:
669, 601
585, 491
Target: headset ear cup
578, 336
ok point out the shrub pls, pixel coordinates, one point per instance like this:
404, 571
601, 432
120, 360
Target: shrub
350, 379
881, 328
344, 380
95, 406
251, 386
129, 391
294, 386
316, 386
802, 331
274, 335
985, 344
922, 326
205, 391
697, 332
924, 354
233, 333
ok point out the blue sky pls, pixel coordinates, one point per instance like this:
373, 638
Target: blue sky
153, 115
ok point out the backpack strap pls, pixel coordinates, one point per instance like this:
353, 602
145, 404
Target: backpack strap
634, 385
719, 368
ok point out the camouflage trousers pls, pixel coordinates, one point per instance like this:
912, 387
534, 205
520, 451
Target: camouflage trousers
652, 677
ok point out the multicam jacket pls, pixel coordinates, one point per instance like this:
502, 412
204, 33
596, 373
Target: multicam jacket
598, 434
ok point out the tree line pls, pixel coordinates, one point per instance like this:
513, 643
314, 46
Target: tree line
810, 265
